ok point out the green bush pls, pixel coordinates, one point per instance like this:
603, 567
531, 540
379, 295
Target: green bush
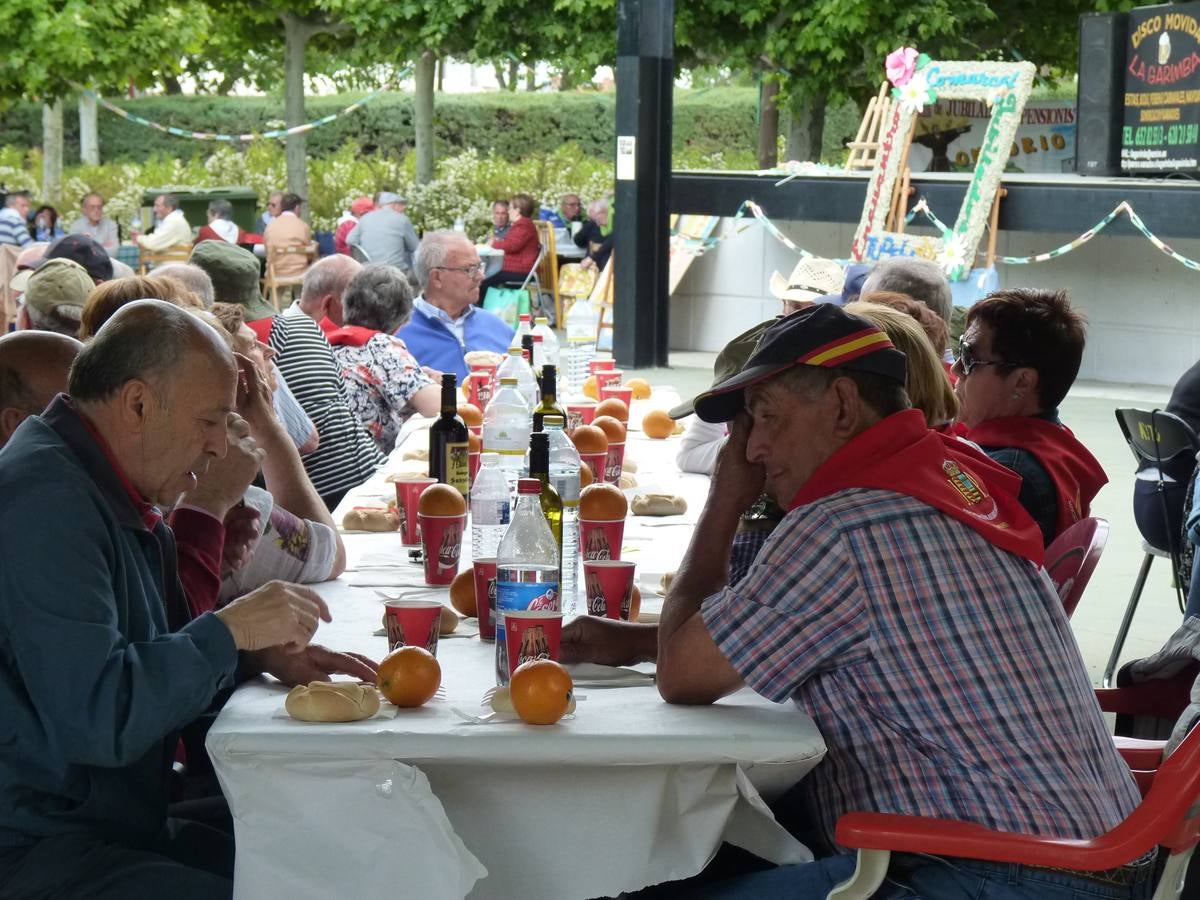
511, 125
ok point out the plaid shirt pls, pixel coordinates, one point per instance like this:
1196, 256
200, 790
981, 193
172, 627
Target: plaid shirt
940, 670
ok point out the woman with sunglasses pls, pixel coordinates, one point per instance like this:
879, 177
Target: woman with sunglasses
1018, 357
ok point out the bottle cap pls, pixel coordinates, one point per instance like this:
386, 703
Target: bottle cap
514, 351
508, 379
538, 338
542, 320
529, 486
525, 317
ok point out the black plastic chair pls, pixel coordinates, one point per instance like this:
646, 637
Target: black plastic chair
1156, 438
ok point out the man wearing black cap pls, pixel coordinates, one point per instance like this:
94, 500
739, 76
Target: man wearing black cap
901, 604
85, 251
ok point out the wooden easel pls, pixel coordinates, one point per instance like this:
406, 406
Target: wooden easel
865, 146
900, 212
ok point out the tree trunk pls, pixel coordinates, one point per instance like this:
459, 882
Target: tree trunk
512, 74
423, 116
52, 152
295, 39
441, 74
531, 78
806, 129
768, 124
172, 85
567, 78
89, 138
501, 81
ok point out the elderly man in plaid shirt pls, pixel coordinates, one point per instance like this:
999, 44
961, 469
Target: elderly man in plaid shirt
902, 605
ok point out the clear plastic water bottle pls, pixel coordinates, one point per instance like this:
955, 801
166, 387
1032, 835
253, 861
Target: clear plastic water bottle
460, 225
524, 327
550, 351
507, 422
564, 475
491, 507
526, 567
582, 322
514, 366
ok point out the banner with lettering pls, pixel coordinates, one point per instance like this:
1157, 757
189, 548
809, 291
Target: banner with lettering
1162, 90
949, 137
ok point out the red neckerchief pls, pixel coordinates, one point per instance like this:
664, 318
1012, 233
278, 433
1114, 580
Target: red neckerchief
350, 335
148, 511
902, 455
1076, 474
327, 325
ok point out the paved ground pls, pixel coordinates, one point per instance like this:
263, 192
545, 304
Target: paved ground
1089, 412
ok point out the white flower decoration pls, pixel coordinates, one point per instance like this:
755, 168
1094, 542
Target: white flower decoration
996, 94
914, 94
953, 254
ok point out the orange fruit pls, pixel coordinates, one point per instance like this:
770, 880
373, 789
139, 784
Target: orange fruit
462, 592
640, 388
657, 425
602, 503
613, 429
615, 408
474, 443
590, 388
585, 476
541, 691
409, 676
589, 439
635, 604
441, 500
470, 414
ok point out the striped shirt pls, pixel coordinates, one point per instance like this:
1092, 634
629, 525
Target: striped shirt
13, 229
940, 670
346, 456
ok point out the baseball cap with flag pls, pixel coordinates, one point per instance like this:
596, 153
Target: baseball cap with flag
823, 335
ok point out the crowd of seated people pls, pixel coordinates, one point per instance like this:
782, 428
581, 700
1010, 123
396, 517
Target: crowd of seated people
840, 484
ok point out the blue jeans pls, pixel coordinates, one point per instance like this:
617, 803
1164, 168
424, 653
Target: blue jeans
925, 878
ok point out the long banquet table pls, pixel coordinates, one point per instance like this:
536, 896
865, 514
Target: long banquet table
629, 792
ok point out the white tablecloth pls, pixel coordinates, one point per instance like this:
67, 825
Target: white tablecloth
629, 792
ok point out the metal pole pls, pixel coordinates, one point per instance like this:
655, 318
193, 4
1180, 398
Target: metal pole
645, 78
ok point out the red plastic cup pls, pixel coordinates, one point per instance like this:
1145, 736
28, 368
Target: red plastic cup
616, 392
441, 537
609, 587
608, 378
531, 634
479, 384
408, 493
601, 539
472, 466
580, 412
614, 461
601, 365
597, 462
485, 597
412, 623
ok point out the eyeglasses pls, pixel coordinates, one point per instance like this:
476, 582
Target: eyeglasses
967, 361
469, 271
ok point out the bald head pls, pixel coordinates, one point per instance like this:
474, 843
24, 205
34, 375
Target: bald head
323, 286
33, 368
192, 277
148, 340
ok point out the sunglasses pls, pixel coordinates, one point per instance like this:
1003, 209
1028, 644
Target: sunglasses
967, 360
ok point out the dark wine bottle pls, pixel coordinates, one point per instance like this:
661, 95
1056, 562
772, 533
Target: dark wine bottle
449, 462
549, 405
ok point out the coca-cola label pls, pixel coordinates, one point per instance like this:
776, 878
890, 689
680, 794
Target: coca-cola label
534, 645
596, 546
449, 549
595, 596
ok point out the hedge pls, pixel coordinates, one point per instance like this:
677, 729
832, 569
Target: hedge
513, 125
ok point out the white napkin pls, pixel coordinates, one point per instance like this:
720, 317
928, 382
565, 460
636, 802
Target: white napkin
597, 676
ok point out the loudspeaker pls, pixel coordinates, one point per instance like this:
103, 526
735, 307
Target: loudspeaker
1100, 103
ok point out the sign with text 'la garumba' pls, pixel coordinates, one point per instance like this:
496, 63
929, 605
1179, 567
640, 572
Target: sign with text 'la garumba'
1004, 87
1161, 130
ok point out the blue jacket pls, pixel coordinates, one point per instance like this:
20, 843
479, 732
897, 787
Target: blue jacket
94, 683
433, 344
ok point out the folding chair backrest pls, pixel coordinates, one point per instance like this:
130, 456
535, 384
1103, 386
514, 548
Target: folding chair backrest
1156, 436
1072, 556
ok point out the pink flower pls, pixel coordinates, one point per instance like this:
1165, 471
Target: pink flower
901, 63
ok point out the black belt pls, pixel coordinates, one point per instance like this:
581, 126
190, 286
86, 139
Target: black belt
1131, 873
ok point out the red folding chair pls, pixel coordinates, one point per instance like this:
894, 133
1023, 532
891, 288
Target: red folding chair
1072, 556
1168, 816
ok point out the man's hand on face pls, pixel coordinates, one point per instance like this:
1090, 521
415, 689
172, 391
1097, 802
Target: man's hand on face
241, 534
278, 614
736, 481
255, 400
315, 663
225, 482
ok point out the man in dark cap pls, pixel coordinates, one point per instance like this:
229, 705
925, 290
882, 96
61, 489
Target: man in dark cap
901, 604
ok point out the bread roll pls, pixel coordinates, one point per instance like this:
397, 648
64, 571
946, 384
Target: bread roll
371, 519
658, 505
626, 481
482, 358
421, 455
664, 583
448, 622
325, 701
629, 465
